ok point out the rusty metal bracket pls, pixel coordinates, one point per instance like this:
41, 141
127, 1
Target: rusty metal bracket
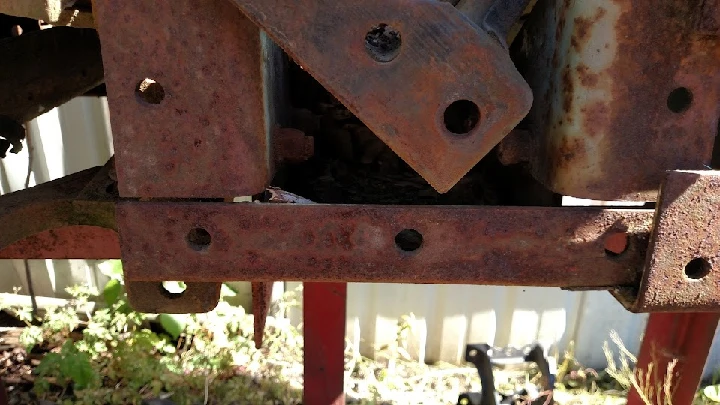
194, 96
684, 251
574, 248
197, 298
436, 89
215, 242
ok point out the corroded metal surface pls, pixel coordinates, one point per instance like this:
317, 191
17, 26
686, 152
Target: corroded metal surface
611, 111
68, 242
261, 294
433, 58
201, 126
152, 297
52, 214
684, 251
44, 69
292, 146
561, 247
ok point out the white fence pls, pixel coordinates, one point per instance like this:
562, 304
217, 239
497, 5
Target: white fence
77, 136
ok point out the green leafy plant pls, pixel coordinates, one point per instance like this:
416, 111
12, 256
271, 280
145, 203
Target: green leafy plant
119, 356
70, 365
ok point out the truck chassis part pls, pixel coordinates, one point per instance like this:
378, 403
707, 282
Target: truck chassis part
198, 100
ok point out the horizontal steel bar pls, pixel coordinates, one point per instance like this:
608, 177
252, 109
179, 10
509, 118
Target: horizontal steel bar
553, 247
69, 218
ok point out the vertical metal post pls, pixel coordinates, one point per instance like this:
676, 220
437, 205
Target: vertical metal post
324, 330
685, 337
3, 394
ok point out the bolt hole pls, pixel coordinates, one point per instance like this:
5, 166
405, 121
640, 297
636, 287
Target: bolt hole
461, 117
697, 268
173, 289
383, 43
408, 240
679, 100
473, 353
150, 91
199, 239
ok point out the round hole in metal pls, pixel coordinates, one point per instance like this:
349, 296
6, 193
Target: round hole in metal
679, 100
198, 239
461, 117
173, 289
408, 240
150, 91
697, 268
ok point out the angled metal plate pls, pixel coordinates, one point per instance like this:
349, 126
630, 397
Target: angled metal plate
442, 58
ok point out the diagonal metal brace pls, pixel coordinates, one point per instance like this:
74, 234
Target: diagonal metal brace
403, 86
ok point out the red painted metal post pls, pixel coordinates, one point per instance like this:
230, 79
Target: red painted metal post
324, 331
686, 337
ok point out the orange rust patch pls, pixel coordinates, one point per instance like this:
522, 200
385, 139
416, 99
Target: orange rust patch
587, 78
582, 28
569, 152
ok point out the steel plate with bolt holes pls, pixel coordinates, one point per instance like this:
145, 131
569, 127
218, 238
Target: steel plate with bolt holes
437, 90
684, 251
187, 95
560, 247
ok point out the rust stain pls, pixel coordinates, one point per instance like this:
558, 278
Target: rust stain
587, 78
595, 117
567, 153
643, 137
582, 26
568, 89
69, 242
